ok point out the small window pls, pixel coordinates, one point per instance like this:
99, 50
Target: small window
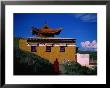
62, 48
48, 48
33, 48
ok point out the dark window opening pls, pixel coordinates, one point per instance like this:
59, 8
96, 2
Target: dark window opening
62, 48
33, 48
48, 48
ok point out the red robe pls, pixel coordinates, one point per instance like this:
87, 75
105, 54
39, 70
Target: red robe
56, 66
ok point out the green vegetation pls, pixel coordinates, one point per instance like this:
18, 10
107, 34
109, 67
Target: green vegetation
26, 63
73, 68
93, 55
16, 42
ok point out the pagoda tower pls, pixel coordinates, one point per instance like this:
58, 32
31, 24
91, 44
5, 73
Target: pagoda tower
45, 31
47, 46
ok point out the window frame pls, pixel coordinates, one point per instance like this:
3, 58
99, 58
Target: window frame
62, 48
48, 48
35, 50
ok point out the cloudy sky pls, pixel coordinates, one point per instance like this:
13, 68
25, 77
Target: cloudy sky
81, 26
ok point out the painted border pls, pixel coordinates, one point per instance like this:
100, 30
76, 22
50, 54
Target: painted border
3, 3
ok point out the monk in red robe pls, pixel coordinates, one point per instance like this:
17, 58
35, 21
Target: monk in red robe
56, 66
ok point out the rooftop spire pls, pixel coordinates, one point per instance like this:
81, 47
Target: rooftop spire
46, 26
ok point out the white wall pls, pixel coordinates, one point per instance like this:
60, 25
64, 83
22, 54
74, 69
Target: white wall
83, 59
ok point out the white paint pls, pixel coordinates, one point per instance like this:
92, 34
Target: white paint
101, 44
49, 44
83, 59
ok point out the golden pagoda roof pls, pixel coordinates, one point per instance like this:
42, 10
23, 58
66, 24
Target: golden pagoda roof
49, 31
46, 30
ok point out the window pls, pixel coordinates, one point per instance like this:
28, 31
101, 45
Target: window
48, 48
33, 48
62, 48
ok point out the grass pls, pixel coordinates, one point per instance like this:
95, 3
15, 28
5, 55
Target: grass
26, 63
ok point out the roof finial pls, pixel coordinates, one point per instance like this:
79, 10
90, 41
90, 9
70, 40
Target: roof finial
46, 25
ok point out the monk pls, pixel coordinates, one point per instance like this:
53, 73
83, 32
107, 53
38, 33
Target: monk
56, 66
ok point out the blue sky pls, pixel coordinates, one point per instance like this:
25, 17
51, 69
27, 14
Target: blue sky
82, 26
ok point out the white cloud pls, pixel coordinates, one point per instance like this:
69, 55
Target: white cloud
87, 45
77, 15
82, 44
90, 17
